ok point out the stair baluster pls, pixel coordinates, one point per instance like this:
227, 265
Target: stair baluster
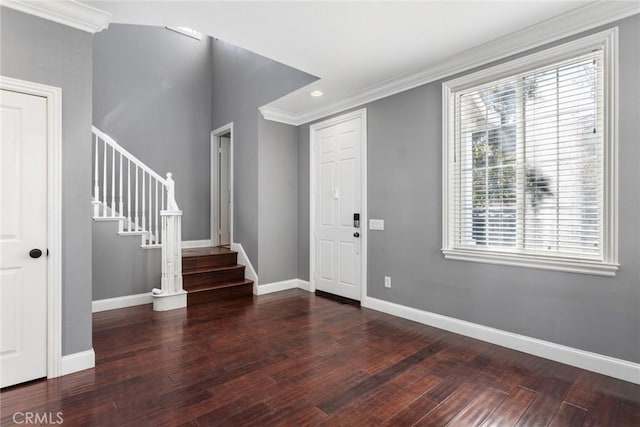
113, 182
137, 220
104, 181
144, 210
96, 185
129, 195
120, 203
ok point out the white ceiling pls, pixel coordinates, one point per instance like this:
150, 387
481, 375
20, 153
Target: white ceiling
351, 46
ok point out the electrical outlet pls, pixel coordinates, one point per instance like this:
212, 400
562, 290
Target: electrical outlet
387, 281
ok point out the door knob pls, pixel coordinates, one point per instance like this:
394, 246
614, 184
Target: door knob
35, 253
356, 234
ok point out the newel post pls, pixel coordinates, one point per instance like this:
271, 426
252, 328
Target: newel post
171, 295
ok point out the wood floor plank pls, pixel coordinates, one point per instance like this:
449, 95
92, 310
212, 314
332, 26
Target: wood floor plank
540, 412
294, 359
604, 411
511, 409
628, 415
342, 399
447, 410
412, 413
568, 415
482, 406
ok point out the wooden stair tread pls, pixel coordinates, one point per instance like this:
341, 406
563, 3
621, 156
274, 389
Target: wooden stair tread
222, 285
211, 251
213, 274
200, 270
226, 292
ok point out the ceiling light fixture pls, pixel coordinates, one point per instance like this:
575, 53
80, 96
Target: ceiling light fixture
316, 93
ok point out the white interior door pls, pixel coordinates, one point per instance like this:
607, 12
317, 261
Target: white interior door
225, 190
338, 196
23, 226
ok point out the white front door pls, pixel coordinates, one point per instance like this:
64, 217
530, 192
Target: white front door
337, 156
23, 226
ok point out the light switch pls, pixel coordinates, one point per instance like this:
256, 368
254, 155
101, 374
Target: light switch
376, 224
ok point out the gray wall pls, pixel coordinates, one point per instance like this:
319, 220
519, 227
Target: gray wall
242, 82
41, 51
120, 266
303, 202
152, 94
277, 202
587, 312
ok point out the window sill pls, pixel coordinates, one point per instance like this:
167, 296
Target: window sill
570, 265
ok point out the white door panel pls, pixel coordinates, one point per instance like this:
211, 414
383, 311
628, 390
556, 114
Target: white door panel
23, 207
338, 167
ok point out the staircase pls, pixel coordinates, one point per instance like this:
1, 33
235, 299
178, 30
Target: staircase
213, 274
143, 203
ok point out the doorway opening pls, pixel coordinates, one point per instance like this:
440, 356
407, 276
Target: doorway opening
222, 186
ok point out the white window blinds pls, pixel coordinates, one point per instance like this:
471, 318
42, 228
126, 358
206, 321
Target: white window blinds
528, 161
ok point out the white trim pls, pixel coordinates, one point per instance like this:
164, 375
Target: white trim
282, 116
562, 26
77, 362
608, 265
189, 32
570, 265
362, 114
617, 368
120, 302
53, 96
277, 287
283, 286
304, 285
215, 134
190, 244
67, 12
165, 302
249, 271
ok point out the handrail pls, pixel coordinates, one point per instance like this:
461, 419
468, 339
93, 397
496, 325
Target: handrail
127, 154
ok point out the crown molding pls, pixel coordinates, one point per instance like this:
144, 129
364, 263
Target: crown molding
565, 25
66, 12
282, 116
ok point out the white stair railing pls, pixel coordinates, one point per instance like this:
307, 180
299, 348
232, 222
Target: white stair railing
143, 203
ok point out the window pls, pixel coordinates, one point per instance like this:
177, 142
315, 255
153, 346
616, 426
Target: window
530, 161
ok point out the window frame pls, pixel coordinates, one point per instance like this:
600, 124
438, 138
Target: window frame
607, 263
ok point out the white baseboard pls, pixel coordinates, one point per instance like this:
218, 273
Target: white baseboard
277, 286
189, 244
304, 285
249, 271
283, 286
121, 302
77, 362
617, 368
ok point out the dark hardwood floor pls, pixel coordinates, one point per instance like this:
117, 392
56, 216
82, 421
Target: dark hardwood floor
296, 359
